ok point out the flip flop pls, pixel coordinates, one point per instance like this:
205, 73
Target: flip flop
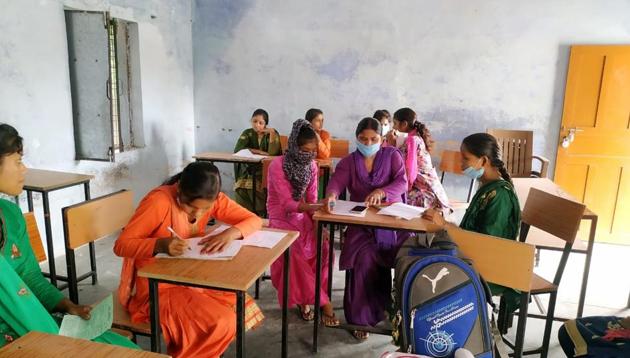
308, 315
326, 320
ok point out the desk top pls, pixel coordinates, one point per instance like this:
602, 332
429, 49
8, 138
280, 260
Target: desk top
48, 180
225, 157
237, 274
373, 219
37, 344
522, 186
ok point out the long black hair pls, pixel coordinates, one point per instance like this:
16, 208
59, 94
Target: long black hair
368, 123
409, 116
198, 180
484, 144
263, 113
10, 141
312, 113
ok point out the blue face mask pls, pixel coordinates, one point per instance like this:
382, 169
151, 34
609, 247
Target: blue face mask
368, 150
473, 173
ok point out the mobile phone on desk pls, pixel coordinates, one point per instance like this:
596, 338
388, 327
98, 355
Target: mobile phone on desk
359, 209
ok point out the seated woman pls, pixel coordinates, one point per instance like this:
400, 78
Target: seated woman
27, 297
383, 116
316, 118
292, 198
415, 142
195, 322
372, 174
494, 210
259, 139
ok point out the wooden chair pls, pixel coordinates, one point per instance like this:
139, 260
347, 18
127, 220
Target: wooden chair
561, 218
284, 143
89, 221
339, 148
33, 236
122, 323
451, 162
516, 148
503, 262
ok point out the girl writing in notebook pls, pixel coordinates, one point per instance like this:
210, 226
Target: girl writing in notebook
27, 299
292, 199
195, 322
372, 174
259, 139
414, 141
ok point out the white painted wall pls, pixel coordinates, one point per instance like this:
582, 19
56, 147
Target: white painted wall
463, 66
35, 94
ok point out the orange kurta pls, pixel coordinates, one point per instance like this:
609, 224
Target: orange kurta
323, 146
196, 322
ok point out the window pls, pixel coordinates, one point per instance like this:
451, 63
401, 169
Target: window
104, 64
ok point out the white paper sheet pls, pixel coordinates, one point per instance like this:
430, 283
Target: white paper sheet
343, 207
264, 238
246, 153
194, 251
101, 318
404, 211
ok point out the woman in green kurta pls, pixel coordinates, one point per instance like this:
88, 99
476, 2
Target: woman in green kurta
494, 210
26, 297
261, 140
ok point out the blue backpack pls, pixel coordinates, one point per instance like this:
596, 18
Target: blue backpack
441, 303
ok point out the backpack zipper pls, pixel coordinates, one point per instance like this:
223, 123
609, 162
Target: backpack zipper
412, 347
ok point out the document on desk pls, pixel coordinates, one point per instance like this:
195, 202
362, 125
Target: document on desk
101, 318
264, 238
404, 211
194, 249
344, 207
246, 153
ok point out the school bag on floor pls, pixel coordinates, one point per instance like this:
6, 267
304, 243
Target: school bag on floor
441, 302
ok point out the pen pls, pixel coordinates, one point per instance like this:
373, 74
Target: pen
175, 234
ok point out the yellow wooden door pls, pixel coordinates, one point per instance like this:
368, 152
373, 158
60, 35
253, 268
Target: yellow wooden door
595, 166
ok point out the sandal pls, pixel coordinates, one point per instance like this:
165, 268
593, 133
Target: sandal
307, 314
360, 335
330, 321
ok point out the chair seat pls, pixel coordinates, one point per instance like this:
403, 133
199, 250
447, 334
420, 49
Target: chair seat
546, 241
122, 320
540, 285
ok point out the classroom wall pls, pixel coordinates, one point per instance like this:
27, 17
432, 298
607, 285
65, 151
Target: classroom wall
464, 66
35, 94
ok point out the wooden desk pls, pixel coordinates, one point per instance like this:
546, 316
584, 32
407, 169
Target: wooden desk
372, 220
236, 275
543, 240
37, 344
44, 182
222, 157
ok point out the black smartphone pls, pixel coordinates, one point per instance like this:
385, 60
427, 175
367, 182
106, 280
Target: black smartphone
358, 209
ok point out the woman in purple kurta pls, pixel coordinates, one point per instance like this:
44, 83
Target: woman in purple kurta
371, 174
291, 199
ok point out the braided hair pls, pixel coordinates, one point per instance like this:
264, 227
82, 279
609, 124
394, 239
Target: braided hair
409, 116
484, 144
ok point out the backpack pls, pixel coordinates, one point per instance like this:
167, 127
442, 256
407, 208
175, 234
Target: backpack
440, 301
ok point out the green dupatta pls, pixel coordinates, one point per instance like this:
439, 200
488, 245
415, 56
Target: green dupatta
249, 140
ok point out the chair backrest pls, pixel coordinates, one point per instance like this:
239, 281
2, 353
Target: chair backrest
558, 216
451, 162
34, 237
339, 148
516, 149
97, 218
284, 143
504, 262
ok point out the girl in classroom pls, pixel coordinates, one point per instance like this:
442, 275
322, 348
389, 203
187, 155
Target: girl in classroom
383, 116
185, 203
316, 118
292, 182
372, 174
414, 140
28, 299
259, 139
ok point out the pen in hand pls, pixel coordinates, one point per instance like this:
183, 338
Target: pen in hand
176, 235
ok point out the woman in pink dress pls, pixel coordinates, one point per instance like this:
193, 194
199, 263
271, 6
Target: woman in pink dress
414, 141
292, 197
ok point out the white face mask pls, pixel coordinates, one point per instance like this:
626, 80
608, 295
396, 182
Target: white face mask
384, 129
401, 138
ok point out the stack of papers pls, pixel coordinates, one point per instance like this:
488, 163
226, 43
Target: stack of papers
101, 318
343, 207
404, 211
246, 153
262, 238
